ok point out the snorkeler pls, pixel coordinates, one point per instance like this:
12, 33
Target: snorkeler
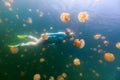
47, 37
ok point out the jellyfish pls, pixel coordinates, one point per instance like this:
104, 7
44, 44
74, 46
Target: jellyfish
14, 50
79, 43
118, 45
76, 62
109, 57
37, 77
65, 17
83, 16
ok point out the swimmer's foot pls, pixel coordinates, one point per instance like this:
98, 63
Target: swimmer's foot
21, 36
14, 45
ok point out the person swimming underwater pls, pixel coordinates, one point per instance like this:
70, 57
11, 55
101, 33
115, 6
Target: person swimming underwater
45, 37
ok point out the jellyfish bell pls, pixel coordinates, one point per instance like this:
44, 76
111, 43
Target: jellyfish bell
7, 4
76, 42
36, 77
76, 62
97, 36
65, 17
83, 16
82, 42
109, 57
79, 43
14, 50
118, 45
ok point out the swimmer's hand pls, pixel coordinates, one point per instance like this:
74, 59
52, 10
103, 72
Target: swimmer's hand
21, 36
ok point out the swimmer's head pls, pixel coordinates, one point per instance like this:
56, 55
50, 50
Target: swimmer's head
44, 36
70, 35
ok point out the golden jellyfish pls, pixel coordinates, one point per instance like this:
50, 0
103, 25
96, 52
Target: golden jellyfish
109, 57
106, 43
65, 17
64, 75
118, 45
60, 78
83, 16
14, 50
44, 36
29, 20
37, 77
79, 43
7, 4
41, 14
97, 36
42, 60
76, 62
51, 78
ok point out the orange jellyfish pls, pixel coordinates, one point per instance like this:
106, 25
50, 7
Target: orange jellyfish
109, 57
97, 36
106, 43
76, 62
83, 16
65, 17
79, 43
44, 36
60, 78
37, 77
29, 20
14, 50
7, 4
118, 45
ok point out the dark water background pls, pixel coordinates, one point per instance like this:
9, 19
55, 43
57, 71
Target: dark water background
104, 18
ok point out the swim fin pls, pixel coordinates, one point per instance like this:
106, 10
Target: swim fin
21, 36
14, 45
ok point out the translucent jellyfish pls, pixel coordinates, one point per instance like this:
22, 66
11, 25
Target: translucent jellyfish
106, 42
51, 78
30, 10
81, 74
60, 78
76, 62
14, 50
83, 16
29, 20
97, 36
65, 17
118, 45
42, 60
118, 68
109, 57
44, 36
17, 16
7, 4
79, 43
37, 77
64, 75
41, 14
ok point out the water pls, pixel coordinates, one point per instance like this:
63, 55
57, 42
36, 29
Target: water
104, 19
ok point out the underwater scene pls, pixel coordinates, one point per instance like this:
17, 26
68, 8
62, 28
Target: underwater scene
59, 39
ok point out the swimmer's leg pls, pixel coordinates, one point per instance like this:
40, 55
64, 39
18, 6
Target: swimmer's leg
34, 38
38, 41
24, 44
